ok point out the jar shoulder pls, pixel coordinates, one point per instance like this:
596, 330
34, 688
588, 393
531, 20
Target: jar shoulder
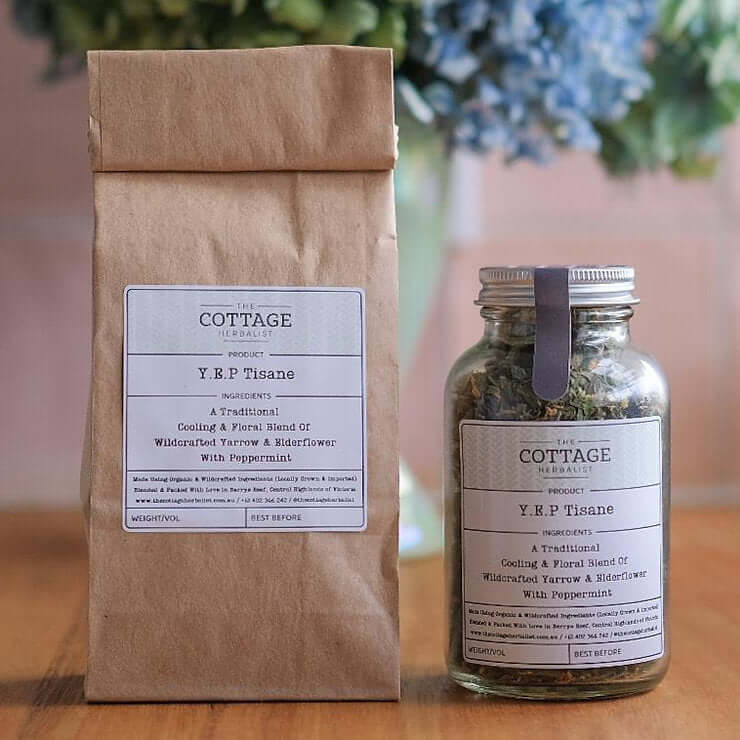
472, 360
644, 372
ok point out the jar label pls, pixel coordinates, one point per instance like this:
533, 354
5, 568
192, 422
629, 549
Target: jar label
244, 409
562, 542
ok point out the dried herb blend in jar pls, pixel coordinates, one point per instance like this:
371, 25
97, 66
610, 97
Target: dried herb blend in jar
557, 492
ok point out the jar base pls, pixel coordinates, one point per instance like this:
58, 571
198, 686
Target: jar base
553, 692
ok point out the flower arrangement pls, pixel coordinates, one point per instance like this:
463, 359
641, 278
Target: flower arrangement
74, 26
694, 61
645, 83
524, 76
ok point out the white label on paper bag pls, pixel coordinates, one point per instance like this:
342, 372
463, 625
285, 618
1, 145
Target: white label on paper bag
562, 543
244, 409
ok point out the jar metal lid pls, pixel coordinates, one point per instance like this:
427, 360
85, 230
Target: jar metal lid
588, 285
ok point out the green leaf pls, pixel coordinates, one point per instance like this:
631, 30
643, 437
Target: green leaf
137, 8
725, 11
700, 156
111, 27
277, 37
727, 102
303, 15
390, 33
696, 166
724, 64
178, 37
76, 32
678, 15
345, 21
174, 8
151, 38
238, 7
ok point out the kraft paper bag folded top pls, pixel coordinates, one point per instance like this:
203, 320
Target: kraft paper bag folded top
242, 467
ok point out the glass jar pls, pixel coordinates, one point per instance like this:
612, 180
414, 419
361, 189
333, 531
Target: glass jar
557, 508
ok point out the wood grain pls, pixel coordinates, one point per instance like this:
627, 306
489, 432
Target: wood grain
42, 646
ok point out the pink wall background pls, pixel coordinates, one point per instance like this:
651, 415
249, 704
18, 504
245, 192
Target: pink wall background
45, 228
682, 238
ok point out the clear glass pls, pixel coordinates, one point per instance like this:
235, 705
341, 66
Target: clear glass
492, 381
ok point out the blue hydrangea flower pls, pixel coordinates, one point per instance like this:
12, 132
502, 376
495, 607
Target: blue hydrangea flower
526, 76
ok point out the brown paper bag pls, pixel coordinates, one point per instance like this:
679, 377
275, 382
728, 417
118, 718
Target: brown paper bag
244, 275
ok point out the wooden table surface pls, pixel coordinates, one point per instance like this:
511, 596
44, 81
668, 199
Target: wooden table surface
42, 652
